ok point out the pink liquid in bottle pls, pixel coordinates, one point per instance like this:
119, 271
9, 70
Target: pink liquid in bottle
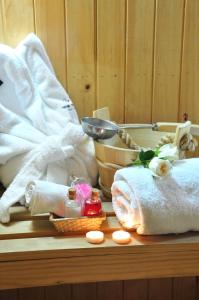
93, 205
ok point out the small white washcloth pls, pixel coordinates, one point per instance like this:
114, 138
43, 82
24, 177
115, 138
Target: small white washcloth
154, 205
40, 134
44, 197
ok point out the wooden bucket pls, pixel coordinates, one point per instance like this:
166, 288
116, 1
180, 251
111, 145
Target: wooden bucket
113, 154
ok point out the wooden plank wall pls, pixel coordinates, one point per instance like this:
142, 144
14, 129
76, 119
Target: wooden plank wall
154, 289
139, 57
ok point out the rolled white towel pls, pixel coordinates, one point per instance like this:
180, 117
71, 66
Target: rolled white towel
43, 197
154, 205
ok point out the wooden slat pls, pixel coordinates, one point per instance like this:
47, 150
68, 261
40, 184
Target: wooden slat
22, 229
152, 264
37, 293
184, 288
50, 27
160, 289
167, 59
81, 54
60, 292
21, 213
44, 228
197, 288
1, 24
84, 291
45, 247
9, 295
190, 63
110, 290
135, 289
111, 56
18, 20
139, 63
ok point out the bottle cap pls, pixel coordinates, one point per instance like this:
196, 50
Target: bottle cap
95, 193
72, 193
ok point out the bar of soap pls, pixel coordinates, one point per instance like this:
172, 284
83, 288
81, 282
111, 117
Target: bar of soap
95, 237
121, 237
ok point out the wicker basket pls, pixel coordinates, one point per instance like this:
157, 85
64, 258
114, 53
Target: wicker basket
82, 224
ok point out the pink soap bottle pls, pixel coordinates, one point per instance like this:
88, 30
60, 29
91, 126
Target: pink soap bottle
93, 205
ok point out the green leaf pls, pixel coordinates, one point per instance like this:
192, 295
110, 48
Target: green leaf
146, 155
137, 162
157, 151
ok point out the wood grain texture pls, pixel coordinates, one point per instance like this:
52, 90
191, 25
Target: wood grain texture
111, 56
167, 59
9, 295
32, 294
84, 291
18, 20
1, 24
110, 290
139, 61
156, 263
50, 27
184, 288
160, 289
136, 290
61, 292
81, 54
190, 63
110, 45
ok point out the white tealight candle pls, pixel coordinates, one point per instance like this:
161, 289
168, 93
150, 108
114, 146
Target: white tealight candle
121, 237
95, 237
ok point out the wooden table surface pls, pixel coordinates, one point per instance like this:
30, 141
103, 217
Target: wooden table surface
33, 253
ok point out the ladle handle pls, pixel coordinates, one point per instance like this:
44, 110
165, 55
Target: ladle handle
153, 126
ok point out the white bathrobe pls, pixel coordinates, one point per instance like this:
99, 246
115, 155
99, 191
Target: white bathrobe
40, 135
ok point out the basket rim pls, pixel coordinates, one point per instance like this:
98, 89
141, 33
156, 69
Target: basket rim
60, 219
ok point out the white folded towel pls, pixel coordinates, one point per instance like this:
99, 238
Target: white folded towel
44, 197
40, 135
154, 205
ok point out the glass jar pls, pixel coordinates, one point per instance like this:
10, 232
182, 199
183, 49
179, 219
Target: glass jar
93, 205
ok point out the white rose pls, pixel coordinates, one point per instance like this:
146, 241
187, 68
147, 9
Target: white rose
159, 167
169, 151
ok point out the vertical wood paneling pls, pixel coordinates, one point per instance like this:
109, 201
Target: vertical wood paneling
160, 289
190, 63
31, 293
184, 288
111, 56
50, 27
60, 292
167, 60
9, 295
110, 290
81, 54
84, 291
18, 20
139, 63
135, 290
1, 24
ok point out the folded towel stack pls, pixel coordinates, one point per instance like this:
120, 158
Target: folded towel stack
153, 205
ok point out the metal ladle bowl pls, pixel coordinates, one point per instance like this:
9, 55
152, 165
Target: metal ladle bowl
101, 129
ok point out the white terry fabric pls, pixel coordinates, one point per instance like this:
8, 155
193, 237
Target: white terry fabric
154, 205
44, 197
40, 135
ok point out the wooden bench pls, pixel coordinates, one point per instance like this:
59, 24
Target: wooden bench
33, 253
